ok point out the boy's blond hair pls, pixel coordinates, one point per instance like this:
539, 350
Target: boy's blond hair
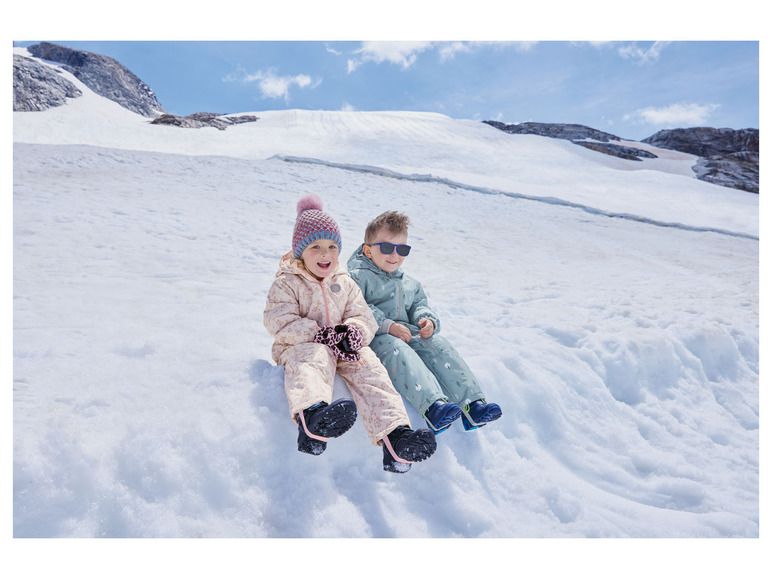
393, 221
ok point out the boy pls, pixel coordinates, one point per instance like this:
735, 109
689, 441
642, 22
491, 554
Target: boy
424, 367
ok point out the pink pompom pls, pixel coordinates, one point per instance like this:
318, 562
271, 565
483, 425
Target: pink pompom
310, 201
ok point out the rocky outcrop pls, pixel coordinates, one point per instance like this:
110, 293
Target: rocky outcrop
579, 135
706, 141
199, 120
104, 75
621, 151
37, 87
738, 171
555, 130
728, 157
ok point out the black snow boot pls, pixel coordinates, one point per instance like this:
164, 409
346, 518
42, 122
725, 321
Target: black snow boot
403, 446
320, 422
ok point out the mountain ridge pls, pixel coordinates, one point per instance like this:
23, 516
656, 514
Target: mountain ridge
104, 75
726, 157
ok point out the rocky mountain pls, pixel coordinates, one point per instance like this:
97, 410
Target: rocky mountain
727, 157
37, 87
102, 74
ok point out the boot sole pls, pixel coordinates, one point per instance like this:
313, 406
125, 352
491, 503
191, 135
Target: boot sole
490, 416
335, 419
419, 446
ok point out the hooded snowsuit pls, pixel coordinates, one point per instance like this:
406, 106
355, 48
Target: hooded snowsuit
422, 370
297, 306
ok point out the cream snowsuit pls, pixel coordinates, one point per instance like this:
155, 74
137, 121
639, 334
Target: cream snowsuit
297, 306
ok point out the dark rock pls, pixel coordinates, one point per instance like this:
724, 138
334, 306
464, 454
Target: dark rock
706, 141
629, 153
579, 135
199, 120
736, 170
104, 75
555, 130
37, 87
728, 157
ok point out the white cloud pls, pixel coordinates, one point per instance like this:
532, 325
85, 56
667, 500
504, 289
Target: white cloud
403, 54
678, 114
273, 86
643, 55
448, 50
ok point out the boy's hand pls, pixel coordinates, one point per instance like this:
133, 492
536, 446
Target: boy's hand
400, 331
427, 328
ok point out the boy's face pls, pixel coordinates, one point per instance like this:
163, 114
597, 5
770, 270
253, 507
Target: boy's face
321, 258
391, 262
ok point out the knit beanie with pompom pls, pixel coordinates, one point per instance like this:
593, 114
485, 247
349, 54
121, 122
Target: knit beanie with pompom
312, 225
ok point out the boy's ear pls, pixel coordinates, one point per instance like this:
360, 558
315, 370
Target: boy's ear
367, 251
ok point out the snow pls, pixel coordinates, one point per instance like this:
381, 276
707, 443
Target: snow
610, 307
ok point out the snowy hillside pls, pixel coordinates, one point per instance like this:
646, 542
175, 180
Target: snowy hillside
624, 353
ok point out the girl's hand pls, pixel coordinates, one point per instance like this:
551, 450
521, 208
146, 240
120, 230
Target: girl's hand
427, 328
400, 331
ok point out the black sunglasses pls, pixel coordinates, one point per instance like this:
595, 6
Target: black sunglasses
388, 248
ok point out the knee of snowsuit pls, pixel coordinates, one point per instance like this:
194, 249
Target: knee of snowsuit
309, 375
425, 370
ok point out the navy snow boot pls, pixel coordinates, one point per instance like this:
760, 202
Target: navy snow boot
479, 413
441, 414
403, 446
320, 422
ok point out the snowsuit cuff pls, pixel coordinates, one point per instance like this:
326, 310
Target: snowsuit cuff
384, 329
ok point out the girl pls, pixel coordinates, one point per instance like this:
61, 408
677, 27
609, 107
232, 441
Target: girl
321, 326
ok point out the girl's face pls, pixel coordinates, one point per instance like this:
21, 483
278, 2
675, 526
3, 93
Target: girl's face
321, 258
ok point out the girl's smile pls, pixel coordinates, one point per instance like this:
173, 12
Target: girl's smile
321, 258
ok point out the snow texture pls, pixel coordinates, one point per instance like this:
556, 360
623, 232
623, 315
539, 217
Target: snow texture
624, 353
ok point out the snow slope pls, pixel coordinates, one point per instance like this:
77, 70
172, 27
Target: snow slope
624, 353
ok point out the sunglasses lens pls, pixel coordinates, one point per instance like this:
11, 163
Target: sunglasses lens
386, 248
403, 250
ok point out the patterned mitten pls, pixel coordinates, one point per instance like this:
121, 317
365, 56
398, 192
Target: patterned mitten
349, 343
327, 336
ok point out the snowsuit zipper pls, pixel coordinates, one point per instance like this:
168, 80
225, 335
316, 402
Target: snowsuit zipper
326, 305
401, 299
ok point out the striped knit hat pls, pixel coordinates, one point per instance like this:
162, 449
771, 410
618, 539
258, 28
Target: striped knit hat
312, 225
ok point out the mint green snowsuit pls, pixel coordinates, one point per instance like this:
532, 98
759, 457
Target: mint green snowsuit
422, 370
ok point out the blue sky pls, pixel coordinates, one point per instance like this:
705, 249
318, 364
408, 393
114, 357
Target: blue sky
630, 89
